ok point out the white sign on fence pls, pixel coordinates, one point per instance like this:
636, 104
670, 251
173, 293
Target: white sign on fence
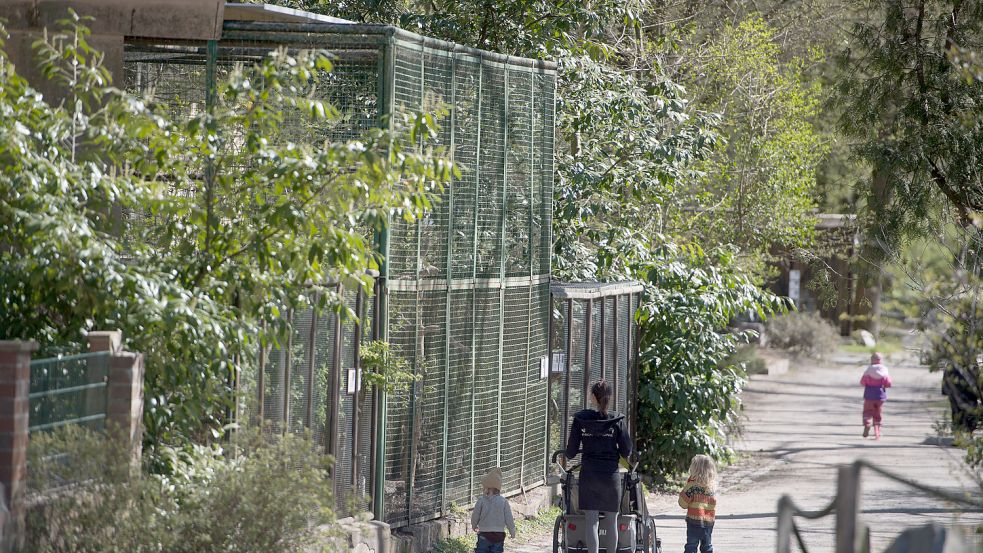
559, 362
353, 381
794, 279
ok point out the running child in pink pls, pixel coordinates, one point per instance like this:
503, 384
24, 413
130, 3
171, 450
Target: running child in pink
875, 381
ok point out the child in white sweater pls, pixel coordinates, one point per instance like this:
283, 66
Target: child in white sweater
492, 515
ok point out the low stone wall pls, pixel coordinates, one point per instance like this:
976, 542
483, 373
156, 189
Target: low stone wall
422, 537
357, 534
777, 362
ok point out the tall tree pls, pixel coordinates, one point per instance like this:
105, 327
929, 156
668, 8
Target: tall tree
916, 119
759, 187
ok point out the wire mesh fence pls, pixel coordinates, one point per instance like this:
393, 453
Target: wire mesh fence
593, 336
464, 294
70, 389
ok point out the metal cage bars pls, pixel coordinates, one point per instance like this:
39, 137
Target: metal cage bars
501, 131
328, 347
474, 347
613, 336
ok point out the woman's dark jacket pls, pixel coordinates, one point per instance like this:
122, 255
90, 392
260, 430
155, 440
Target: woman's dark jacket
602, 440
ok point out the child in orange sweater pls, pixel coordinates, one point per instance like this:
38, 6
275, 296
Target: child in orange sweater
699, 498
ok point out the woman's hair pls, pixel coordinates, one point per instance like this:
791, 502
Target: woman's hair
703, 471
601, 391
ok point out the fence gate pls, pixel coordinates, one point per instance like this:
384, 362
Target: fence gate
593, 336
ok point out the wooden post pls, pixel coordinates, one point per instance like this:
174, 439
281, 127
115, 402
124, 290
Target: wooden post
783, 537
847, 507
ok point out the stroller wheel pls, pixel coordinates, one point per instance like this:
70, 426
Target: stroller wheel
557, 530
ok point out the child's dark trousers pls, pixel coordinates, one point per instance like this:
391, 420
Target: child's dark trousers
697, 535
487, 546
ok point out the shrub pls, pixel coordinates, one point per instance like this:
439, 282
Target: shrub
803, 334
85, 500
269, 494
746, 358
689, 391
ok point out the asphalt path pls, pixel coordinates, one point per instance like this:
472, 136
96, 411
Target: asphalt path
799, 428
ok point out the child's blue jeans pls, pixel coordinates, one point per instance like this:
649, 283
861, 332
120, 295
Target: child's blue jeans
485, 546
697, 535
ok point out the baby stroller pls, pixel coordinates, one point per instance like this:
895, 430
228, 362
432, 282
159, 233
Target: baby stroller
636, 529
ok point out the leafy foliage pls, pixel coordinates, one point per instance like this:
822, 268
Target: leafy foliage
187, 232
384, 368
803, 334
270, 499
759, 186
634, 143
915, 115
690, 385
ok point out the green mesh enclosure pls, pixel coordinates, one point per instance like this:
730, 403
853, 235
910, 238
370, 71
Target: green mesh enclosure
592, 336
464, 295
70, 389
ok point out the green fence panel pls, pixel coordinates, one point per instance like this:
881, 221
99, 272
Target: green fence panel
466, 286
66, 390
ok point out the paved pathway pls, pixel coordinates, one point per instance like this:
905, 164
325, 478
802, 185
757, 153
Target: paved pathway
800, 427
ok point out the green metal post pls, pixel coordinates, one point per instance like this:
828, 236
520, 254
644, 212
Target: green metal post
614, 316
417, 361
532, 194
604, 364
474, 276
287, 362
386, 101
309, 384
549, 381
501, 295
356, 402
566, 373
447, 303
588, 349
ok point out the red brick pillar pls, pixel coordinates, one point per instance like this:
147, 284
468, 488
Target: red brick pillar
124, 389
15, 381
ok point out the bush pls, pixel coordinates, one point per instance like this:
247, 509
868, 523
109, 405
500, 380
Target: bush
267, 496
746, 358
689, 389
803, 334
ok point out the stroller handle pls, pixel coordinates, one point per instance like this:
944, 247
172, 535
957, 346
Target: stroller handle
556, 455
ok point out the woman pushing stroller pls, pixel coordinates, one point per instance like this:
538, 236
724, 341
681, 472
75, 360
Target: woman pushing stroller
601, 436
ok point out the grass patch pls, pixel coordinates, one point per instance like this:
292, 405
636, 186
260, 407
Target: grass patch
525, 529
887, 345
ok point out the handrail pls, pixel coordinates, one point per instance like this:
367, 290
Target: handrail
845, 505
941, 494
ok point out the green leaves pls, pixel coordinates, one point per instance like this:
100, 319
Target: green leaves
689, 391
758, 189
915, 114
194, 231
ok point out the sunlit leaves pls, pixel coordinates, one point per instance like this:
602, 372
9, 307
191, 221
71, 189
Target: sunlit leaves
689, 394
194, 231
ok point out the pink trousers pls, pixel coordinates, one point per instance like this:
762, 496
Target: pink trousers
872, 410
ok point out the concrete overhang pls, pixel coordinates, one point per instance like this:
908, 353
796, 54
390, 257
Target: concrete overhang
173, 19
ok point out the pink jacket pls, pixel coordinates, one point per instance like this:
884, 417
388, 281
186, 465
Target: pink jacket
876, 380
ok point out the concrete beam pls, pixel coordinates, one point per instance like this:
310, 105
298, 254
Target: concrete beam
173, 19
